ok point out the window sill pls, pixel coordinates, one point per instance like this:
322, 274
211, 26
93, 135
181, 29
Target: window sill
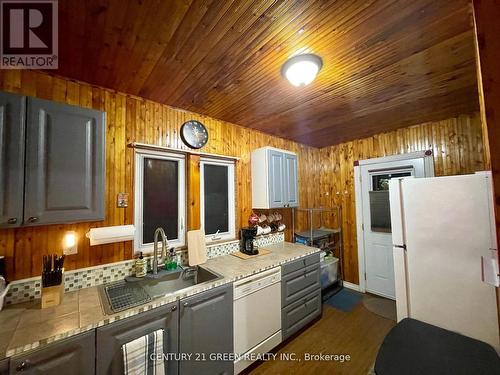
221, 241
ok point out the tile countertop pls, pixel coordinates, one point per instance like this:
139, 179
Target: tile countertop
25, 326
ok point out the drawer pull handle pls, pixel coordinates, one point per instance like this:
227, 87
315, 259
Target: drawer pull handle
12, 220
33, 219
174, 308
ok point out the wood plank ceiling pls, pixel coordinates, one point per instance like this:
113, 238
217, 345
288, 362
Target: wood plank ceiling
387, 64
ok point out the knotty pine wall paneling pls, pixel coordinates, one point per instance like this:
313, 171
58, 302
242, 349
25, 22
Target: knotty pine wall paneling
130, 119
325, 175
457, 146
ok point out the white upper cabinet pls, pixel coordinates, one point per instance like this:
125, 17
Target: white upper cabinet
274, 178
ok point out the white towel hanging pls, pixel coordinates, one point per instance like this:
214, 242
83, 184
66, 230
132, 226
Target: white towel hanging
144, 355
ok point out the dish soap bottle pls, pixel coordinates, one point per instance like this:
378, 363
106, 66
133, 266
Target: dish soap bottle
171, 263
140, 266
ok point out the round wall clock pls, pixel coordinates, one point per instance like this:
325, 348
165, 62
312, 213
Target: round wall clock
194, 134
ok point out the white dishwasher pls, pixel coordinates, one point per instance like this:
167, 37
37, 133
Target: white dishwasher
257, 315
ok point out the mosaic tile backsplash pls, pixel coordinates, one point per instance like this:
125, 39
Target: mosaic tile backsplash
29, 289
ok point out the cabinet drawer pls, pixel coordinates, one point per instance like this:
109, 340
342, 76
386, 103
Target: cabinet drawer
301, 312
299, 284
299, 263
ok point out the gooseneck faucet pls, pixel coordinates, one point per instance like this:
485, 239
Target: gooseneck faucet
164, 244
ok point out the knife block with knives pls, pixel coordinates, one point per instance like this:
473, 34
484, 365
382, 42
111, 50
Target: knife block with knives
52, 280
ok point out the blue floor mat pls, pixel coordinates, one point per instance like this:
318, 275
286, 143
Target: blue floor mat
345, 300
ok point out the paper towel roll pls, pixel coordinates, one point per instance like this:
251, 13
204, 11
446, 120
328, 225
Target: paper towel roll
118, 233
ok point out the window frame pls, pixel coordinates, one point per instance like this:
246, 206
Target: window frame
140, 156
231, 176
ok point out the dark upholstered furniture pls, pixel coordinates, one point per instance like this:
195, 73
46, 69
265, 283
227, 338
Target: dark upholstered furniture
416, 348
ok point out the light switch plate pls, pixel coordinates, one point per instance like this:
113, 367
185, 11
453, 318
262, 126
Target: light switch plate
122, 200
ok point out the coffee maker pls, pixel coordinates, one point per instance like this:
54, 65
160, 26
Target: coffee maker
247, 236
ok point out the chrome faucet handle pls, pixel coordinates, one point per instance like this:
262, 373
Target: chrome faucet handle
164, 246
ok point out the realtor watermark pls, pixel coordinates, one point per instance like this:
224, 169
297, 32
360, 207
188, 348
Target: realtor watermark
252, 357
29, 37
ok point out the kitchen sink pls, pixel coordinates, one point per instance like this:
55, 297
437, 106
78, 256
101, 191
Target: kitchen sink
131, 292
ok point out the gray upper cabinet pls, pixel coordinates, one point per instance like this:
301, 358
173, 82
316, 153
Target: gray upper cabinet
112, 337
206, 327
12, 120
65, 163
291, 180
72, 356
274, 178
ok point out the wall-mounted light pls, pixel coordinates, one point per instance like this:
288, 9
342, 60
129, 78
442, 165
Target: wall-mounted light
301, 70
70, 243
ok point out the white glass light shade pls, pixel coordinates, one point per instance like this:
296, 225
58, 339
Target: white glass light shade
301, 70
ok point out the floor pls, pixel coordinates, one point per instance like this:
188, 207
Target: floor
358, 333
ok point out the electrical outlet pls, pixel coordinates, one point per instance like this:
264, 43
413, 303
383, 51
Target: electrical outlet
70, 250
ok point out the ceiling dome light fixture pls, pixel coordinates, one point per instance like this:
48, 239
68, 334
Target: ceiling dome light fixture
301, 70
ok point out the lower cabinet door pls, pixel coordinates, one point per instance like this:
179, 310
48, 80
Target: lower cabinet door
298, 314
72, 356
112, 337
4, 366
206, 332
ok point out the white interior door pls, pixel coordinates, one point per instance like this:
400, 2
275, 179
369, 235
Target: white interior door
379, 262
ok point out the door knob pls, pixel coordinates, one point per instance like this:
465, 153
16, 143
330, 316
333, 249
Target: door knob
12, 220
33, 219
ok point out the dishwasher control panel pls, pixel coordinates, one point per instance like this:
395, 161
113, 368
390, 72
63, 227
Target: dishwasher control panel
256, 282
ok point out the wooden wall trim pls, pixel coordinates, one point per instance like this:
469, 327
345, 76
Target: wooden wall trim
144, 146
193, 192
486, 16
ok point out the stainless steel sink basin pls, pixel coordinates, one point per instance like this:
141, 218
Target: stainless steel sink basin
124, 294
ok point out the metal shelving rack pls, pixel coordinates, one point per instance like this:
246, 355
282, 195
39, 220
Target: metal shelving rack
320, 233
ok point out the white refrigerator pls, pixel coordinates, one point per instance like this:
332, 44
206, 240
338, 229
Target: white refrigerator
441, 227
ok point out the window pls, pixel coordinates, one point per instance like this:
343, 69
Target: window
380, 210
160, 193
217, 199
